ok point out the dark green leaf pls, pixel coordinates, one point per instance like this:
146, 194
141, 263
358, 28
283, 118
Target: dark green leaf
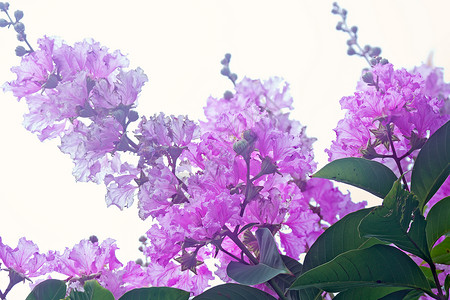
368, 293
156, 293
379, 265
391, 222
411, 294
447, 283
438, 221
270, 264
284, 281
339, 238
232, 291
441, 252
368, 175
50, 289
92, 291
432, 165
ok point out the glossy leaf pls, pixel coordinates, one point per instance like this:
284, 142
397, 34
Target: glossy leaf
438, 221
368, 175
92, 291
379, 265
233, 291
270, 264
50, 289
156, 293
368, 293
441, 252
391, 222
432, 165
339, 238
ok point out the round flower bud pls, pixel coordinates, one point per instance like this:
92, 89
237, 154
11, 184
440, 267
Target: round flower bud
228, 57
139, 262
367, 48
233, 77
384, 61
21, 37
141, 248
19, 27
4, 6
228, 95
143, 239
250, 136
375, 51
350, 42
351, 51
3, 23
133, 115
225, 71
18, 14
21, 51
240, 147
224, 62
368, 77
93, 239
339, 26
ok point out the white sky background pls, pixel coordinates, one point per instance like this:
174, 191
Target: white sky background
179, 44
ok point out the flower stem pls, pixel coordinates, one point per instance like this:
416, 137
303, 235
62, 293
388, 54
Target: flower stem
395, 157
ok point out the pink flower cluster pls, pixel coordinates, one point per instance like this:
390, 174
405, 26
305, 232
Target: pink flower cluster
403, 106
86, 260
248, 163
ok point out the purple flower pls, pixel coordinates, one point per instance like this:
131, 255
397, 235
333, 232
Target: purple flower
25, 259
390, 102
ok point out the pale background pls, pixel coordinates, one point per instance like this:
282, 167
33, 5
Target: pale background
179, 44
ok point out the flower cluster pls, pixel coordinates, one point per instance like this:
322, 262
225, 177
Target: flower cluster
392, 110
247, 163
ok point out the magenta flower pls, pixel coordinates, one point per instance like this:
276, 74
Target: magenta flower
25, 259
411, 106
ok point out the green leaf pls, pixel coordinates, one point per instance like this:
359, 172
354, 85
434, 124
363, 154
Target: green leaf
379, 265
438, 221
92, 291
233, 291
284, 281
432, 165
368, 293
447, 284
391, 222
368, 175
156, 293
50, 289
403, 294
441, 252
339, 238
270, 264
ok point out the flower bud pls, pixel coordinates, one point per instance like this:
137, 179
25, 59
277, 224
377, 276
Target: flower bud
350, 42
250, 136
4, 6
228, 95
384, 61
139, 261
368, 77
240, 147
143, 239
233, 77
21, 51
228, 57
367, 48
141, 248
93, 239
351, 51
18, 14
225, 71
339, 26
354, 29
133, 115
375, 51
21, 37
3, 23
19, 27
